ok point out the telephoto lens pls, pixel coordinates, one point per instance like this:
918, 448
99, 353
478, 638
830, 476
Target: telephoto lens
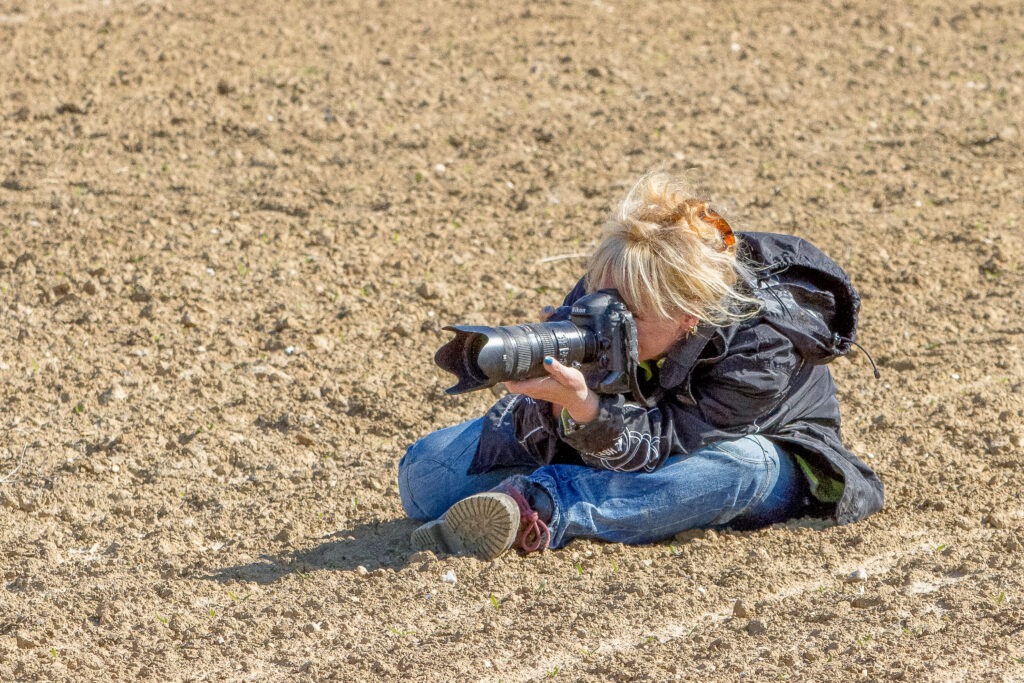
596, 334
482, 356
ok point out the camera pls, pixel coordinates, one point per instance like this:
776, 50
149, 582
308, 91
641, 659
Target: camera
596, 335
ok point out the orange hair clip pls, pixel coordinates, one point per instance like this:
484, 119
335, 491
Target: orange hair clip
715, 220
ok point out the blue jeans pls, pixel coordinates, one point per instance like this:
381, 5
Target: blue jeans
746, 483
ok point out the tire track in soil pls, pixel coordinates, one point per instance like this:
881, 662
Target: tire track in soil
874, 565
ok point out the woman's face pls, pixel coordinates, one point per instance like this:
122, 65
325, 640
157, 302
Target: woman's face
656, 335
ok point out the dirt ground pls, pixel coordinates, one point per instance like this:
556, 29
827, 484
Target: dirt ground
231, 233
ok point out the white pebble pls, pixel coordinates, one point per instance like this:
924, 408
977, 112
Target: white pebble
857, 575
439, 169
449, 577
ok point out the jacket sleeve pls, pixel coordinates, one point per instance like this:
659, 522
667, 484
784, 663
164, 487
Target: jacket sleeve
625, 436
723, 398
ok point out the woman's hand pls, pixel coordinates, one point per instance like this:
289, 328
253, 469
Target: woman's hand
563, 386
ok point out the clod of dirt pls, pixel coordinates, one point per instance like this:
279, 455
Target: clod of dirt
114, 392
291, 532
742, 610
270, 373
756, 627
996, 520
431, 291
25, 642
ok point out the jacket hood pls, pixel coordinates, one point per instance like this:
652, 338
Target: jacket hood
806, 295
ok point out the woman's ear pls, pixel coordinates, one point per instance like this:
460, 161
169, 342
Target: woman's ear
687, 323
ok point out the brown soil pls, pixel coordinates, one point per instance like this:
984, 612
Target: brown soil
230, 236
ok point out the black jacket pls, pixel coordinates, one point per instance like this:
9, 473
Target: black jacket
765, 375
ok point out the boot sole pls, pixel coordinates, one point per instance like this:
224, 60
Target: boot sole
484, 525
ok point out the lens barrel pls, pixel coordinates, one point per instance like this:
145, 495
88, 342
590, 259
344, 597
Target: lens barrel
483, 356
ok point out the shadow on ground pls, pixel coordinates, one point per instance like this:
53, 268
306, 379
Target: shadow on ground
380, 545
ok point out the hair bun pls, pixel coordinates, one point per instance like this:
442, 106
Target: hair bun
640, 230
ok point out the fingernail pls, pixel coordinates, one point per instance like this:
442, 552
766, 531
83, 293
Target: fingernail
548, 360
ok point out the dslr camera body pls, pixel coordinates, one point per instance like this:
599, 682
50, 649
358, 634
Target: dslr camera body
596, 334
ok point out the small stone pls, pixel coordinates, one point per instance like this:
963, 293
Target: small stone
362, 571
741, 610
857, 575
430, 291
449, 577
756, 627
439, 169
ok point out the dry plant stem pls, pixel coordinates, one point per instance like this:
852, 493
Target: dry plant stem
17, 467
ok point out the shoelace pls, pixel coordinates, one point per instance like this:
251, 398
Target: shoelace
533, 532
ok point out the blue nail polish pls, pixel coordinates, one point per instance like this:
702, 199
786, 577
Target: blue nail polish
548, 360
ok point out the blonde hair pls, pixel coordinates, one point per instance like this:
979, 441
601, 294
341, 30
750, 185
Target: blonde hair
669, 254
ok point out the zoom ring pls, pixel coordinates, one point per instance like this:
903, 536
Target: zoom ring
522, 354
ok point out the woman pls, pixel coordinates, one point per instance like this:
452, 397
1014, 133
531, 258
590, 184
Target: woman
744, 430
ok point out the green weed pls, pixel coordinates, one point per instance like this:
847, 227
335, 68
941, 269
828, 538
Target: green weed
401, 633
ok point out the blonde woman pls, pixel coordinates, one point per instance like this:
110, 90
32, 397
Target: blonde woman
735, 331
